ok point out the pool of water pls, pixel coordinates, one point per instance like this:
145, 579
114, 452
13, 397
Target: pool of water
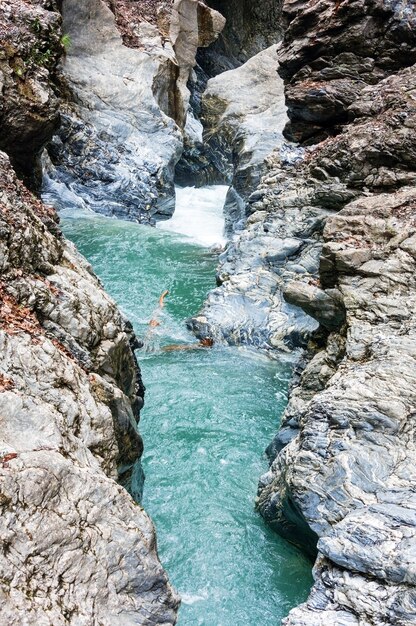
208, 416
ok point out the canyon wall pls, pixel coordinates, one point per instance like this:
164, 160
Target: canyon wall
120, 139
76, 547
342, 471
322, 257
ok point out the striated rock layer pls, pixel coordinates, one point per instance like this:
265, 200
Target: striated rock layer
332, 49
76, 548
342, 466
283, 218
121, 138
325, 259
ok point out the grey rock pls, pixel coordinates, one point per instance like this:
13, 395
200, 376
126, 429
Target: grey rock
30, 49
120, 139
325, 306
250, 28
349, 470
115, 158
331, 52
76, 548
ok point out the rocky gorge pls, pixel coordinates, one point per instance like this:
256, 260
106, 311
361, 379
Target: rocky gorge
328, 233
307, 110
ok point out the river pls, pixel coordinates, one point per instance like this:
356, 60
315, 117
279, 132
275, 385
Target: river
208, 416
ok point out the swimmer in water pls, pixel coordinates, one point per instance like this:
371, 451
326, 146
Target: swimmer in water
154, 322
206, 342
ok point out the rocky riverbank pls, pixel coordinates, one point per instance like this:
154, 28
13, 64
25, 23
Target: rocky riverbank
76, 547
329, 236
322, 257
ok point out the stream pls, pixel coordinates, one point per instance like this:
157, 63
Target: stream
208, 416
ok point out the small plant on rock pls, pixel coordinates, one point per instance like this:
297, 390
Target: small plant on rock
66, 41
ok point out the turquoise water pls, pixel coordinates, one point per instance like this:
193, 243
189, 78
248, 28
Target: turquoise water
209, 414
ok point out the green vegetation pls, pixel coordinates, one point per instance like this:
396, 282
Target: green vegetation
66, 41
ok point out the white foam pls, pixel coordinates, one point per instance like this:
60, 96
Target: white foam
192, 598
199, 215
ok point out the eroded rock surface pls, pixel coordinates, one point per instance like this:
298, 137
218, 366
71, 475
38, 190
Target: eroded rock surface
116, 150
120, 139
349, 469
76, 548
243, 113
334, 49
342, 471
30, 49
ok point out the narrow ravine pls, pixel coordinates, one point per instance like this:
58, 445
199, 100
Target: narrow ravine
208, 416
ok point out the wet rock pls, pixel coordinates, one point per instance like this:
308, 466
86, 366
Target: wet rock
76, 547
120, 140
325, 306
349, 468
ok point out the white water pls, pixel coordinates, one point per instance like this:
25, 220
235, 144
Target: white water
199, 215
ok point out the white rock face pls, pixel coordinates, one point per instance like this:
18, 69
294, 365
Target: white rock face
76, 548
116, 149
121, 134
246, 107
193, 25
245, 113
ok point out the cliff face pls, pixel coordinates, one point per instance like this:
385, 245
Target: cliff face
250, 28
342, 471
332, 50
31, 47
280, 240
76, 548
120, 139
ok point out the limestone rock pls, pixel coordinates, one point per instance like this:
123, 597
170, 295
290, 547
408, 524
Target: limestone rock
243, 113
116, 150
76, 548
281, 240
349, 473
325, 306
193, 25
122, 137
